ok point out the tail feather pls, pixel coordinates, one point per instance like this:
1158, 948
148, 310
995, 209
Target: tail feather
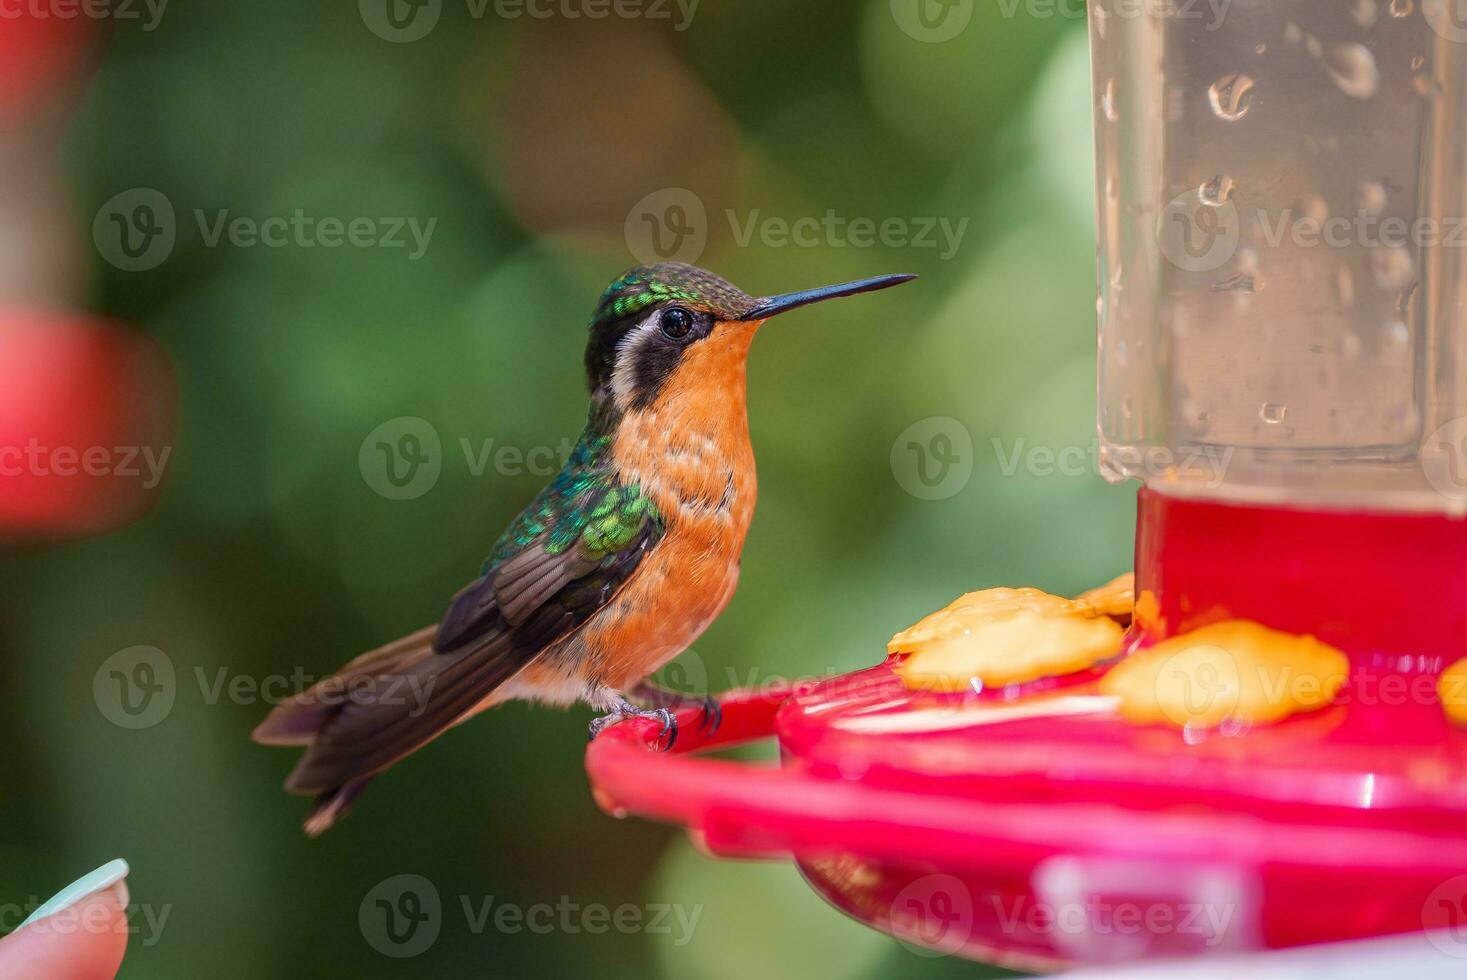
382, 706
330, 807
299, 719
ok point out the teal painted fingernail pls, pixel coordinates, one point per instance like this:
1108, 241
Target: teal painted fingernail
103, 878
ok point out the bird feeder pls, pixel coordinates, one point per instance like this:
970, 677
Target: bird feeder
1282, 201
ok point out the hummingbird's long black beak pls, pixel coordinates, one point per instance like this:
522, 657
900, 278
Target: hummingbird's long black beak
773, 305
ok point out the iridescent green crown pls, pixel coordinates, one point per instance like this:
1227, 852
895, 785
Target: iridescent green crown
648, 285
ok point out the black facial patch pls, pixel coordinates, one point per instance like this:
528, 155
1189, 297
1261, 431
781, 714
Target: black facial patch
601, 350
656, 357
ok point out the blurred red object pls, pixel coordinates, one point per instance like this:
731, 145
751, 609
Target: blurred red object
86, 420
37, 49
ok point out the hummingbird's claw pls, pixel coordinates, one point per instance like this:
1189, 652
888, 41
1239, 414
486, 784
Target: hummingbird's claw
625, 709
669, 727
712, 718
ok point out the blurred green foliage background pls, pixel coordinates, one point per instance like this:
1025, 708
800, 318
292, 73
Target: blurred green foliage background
530, 140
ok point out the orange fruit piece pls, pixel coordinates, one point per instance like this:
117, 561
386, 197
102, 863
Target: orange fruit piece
1003, 636
1451, 687
1235, 671
1115, 598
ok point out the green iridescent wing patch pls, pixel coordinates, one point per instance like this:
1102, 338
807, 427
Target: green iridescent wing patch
583, 505
562, 559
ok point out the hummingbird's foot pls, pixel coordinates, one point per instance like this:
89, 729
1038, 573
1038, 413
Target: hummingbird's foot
661, 697
623, 709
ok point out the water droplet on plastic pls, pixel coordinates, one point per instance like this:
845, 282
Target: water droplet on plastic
1365, 12
1108, 101
1239, 283
1260, 49
1352, 68
1371, 197
1216, 192
1395, 334
1402, 8
1110, 470
1231, 96
1401, 417
1403, 304
1418, 61
1391, 266
1273, 412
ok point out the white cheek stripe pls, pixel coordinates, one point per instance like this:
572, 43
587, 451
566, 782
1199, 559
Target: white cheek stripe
624, 375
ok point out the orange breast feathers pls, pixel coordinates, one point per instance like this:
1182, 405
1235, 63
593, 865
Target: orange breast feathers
689, 451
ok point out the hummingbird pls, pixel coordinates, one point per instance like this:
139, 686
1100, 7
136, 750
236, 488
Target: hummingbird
619, 564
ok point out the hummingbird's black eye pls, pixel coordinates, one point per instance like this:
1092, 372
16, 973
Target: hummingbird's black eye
676, 322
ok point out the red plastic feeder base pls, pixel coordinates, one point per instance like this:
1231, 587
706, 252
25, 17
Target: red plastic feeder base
1030, 826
